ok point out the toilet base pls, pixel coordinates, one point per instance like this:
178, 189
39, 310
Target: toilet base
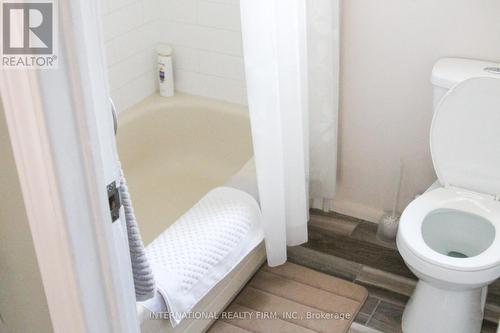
436, 310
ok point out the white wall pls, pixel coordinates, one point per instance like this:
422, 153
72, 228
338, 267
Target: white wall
205, 35
131, 33
387, 52
23, 307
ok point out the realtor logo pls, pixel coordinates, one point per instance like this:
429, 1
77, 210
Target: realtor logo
29, 38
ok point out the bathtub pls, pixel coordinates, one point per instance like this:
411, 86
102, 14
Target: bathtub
173, 151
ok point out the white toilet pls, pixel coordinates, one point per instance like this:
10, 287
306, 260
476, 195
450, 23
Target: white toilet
450, 236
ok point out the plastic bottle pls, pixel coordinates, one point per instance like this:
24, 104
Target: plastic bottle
165, 71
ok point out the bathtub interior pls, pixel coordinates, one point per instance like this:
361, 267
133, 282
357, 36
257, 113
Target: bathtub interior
174, 150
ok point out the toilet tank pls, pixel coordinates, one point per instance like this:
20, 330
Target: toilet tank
447, 72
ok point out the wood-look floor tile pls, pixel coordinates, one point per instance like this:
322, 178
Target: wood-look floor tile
358, 251
385, 280
362, 318
387, 318
370, 304
332, 224
367, 232
385, 295
489, 327
324, 262
491, 311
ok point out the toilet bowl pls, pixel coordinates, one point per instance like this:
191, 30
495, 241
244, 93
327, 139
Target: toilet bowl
449, 236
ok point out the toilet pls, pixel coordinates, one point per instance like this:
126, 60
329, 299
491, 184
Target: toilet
450, 236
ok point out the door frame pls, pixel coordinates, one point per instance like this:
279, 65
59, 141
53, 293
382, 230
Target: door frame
61, 134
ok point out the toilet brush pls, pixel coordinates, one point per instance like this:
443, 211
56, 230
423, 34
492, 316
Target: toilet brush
388, 225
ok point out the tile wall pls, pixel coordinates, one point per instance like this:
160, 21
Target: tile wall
205, 35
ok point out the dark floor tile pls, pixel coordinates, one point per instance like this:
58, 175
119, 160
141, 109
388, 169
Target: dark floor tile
494, 288
334, 215
323, 262
489, 327
387, 318
369, 306
332, 224
358, 251
491, 311
362, 318
384, 294
366, 231
385, 280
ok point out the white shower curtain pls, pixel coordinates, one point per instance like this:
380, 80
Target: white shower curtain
276, 48
323, 68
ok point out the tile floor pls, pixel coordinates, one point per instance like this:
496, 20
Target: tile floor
348, 248
293, 289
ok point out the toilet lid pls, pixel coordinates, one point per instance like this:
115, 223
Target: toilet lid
465, 136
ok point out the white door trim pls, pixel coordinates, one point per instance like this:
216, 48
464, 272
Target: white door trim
57, 120
38, 179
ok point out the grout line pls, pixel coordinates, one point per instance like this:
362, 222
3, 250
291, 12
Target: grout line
145, 49
373, 311
111, 9
164, 19
136, 27
133, 79
212, 75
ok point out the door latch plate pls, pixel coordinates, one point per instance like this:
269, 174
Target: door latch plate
114, 201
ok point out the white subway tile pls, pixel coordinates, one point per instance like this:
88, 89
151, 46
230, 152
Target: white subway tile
105, 6
205, 38
166, 31
127, 70
117, 4
180, 10
223, 89
217, 64
134, 91
151, 10
123, 46
186, 58
224, 41
131, 42
234, 2
210, 86
188, 82
122, 20
219, 15
151, 33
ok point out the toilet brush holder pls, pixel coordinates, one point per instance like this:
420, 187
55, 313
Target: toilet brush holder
388, 228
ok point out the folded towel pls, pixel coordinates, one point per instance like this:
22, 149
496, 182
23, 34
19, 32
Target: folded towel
201, 248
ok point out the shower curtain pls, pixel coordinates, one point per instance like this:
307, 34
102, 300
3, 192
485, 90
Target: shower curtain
291, 65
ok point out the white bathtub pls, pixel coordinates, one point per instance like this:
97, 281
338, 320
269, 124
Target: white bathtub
173, 151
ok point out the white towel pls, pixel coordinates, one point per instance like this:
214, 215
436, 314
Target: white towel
201, 248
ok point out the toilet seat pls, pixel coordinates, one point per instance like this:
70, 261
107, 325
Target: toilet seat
465, 146
465, 136
484, 206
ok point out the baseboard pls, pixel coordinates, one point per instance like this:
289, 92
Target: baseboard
356, 210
